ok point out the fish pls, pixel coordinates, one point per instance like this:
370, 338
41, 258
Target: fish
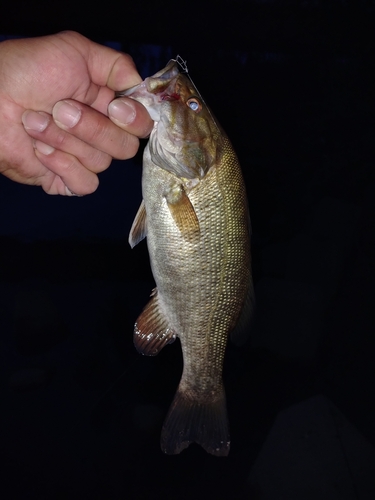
195, 216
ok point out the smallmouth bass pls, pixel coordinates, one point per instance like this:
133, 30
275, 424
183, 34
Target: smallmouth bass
195, 216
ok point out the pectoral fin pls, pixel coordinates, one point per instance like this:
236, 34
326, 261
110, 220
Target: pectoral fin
138, 230
151, 330
182, 211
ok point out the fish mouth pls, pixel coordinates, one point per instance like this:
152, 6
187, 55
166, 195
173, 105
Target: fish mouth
155, 84
141, 94
155, 89
162, 79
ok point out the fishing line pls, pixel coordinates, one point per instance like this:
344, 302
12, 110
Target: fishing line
183, 65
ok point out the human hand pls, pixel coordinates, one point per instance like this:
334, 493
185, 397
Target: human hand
67, 76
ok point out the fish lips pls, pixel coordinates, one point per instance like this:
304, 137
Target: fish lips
141, 94
149, 91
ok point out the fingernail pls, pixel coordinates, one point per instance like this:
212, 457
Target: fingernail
70, 193
122, 111
43, 148
65, 114
34, 120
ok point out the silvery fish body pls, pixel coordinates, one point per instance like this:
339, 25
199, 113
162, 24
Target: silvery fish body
195, 216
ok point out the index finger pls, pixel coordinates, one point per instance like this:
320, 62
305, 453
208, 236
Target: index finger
96, 129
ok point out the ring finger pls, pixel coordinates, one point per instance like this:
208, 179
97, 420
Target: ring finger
78, 179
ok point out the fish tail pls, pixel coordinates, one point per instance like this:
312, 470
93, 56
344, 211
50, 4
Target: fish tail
189, 421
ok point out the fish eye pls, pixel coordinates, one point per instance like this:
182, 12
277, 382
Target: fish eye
194, 104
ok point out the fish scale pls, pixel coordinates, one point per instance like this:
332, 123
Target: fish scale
195, 216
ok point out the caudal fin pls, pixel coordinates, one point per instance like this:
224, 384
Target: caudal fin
191, 422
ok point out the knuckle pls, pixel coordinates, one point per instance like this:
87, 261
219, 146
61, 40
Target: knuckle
98, 161
97, 133
118, 143
95, 183
72, 172
68, 164
90, 186
128, 147
60, 139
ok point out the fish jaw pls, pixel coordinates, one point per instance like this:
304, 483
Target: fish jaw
142, 95
185, 136
154, 89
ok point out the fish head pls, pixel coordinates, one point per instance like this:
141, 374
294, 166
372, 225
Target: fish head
185, 139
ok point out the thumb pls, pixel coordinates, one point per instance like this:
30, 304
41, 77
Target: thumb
106, 66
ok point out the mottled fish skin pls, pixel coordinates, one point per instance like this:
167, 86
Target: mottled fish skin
196, 220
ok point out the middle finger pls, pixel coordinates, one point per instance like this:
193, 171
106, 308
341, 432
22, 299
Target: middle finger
40, 125
120, 140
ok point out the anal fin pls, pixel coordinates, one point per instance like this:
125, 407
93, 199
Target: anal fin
151, 330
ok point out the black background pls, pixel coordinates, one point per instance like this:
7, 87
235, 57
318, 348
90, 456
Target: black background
292, 84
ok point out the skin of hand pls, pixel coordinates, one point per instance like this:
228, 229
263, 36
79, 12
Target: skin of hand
58, 125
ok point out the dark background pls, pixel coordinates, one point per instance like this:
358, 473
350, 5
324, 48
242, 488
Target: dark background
292, 84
